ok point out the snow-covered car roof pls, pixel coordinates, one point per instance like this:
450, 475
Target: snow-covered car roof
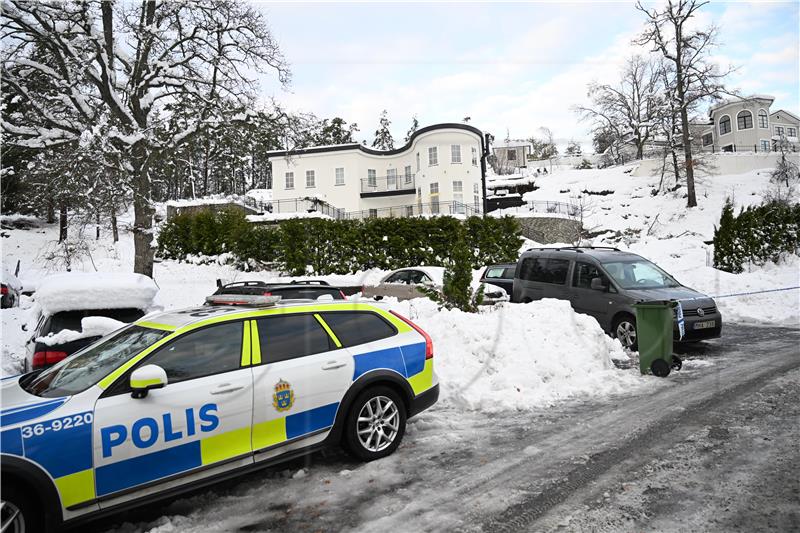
80, 291
10, 279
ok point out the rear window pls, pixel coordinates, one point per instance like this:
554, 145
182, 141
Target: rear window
500, 273
544, 270
72, 319
288, 337
354, 328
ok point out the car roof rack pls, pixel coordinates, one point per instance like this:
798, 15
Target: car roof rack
578, 249
245, 300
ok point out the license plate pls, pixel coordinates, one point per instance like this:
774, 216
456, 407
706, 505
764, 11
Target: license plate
705, 325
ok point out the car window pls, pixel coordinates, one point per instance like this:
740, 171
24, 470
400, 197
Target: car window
495, 273
398, 277
291, 336
544, 270
418, 276
584, 273
508, 273
72, 319
204, 352
354, 328
639, 274
88, 366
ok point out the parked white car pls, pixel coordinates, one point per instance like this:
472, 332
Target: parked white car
405, 283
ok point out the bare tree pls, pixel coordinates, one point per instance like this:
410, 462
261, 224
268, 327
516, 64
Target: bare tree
135, 63
629, 107
695, 78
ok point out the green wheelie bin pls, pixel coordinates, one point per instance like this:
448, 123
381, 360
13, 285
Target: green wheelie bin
654, 323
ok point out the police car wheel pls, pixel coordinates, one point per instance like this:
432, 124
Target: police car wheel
375, 425
17, 512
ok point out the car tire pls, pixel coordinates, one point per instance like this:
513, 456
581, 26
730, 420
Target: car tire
375, 424
19, 513
624, 329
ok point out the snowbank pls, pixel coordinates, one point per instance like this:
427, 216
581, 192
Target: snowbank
7, 277
91, 326
519, 356
75, 291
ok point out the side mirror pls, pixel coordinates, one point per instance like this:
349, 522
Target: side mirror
145, 378
597, 285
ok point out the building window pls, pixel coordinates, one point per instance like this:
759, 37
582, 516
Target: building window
744, 120
458, 196
791, 132
373, 213
763, 119
310, 179
290, 180
708, 139
764, 145
474, 156
372, 178
512, 154
458, 186
433, 156
724, 125
434, 198
455, 153
476, 196
408, 174
779, 131
339, 176
391, 179
409, 210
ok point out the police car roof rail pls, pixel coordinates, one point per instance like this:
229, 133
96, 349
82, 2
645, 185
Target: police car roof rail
248, 300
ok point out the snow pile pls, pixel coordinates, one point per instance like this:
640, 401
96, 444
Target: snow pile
91, 326
260, 195
519, 356
8, 278
75, 291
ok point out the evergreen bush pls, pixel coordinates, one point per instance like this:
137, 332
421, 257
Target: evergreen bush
757, 235
323, 246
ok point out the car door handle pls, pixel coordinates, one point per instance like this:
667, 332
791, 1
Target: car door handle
225, 388
332, 365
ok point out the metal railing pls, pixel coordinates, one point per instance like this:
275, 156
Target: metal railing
400, 183
415, 210
296, 205
757, 148
545, 207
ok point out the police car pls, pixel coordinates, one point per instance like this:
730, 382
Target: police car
186, 398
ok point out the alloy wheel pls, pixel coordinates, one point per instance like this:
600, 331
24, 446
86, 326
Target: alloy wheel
626, 333
378, 423
11, 518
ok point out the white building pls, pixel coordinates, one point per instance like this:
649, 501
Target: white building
440, 170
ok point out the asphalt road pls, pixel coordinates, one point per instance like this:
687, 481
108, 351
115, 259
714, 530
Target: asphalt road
712, 448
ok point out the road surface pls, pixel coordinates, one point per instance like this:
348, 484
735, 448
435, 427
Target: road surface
715, 447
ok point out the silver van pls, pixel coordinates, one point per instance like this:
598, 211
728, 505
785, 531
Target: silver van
604, 283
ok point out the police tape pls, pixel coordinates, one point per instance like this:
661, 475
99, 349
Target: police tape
754, 292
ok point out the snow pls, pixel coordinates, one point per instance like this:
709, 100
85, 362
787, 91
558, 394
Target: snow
75, 291
8, 278
260, 195
91, 326
519, 356
272, 217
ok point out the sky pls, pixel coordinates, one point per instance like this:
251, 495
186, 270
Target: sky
511, 67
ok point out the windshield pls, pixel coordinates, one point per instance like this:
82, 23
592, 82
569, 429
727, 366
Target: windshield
88, 366
639, 274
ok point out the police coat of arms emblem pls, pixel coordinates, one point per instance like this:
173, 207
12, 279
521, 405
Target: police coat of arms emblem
283, 399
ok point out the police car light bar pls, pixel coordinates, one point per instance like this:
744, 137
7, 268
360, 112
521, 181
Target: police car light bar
250, 300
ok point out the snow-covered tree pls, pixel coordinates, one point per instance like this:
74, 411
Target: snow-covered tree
573, 148
670, 30
135, 63
383, 137
412, 129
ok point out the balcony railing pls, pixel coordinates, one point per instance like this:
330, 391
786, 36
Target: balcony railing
296, 205
415, 210
387, 185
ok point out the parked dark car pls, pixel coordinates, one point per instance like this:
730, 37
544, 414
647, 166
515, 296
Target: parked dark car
604, 283
500, 275
42, 355
295, 290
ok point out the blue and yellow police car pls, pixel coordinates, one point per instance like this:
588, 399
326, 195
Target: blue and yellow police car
187, 398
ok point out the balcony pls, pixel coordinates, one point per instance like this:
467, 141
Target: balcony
418, 210
387, 186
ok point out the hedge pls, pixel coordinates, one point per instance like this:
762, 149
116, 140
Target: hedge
757, 235
323, 246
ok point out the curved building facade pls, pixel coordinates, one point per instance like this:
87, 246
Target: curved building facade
440, 170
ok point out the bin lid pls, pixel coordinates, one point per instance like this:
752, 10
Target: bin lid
644, 304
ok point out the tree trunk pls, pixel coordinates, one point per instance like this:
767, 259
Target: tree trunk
97, 226
51, 212
142, 217
114, 228
62, 223
691, 201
